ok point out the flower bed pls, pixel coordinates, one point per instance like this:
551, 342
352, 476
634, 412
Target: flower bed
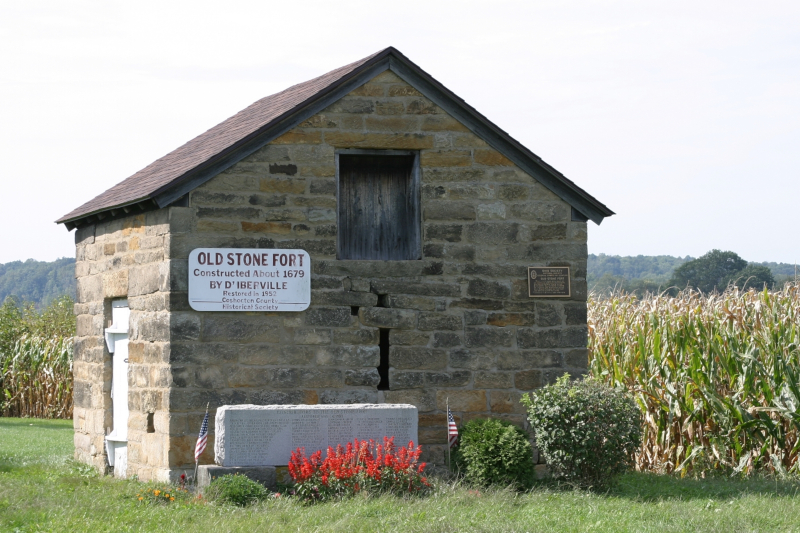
361, 466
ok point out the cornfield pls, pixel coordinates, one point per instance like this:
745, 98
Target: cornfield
717, 376
36, 359
37, 378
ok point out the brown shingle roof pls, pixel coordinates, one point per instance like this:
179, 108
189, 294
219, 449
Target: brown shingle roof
202, 148
159, 183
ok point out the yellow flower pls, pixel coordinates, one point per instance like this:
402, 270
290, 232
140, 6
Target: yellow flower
156, 492
140, 498
172, 499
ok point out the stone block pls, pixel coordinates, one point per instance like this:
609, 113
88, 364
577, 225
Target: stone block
348, 397
506, 402
348, 356
453, 378
312, 336
449, 158
363, 335
528, 379
402, 380
362, 377
439, 321
576, 358
418, 303
238, 327
420, 289
491, 157
246, 376
543, 232
534, 338
540, 212
390, 123
184, 326
547, 315
527, 359
492, 211
423, 400
417, 358
443, 232
408, 338
493, 380
576, 314
442, 123
278, 185
511, 319
382, 317
299, 137
369, 89
398, 141
494, 233
329, 316
512, 191
422, 106
90, 288
267, 227
323, 186
446, 210
265, 475
481, 288
469, 401
402, 90
341, 298
143, 279
488, 337
446, 340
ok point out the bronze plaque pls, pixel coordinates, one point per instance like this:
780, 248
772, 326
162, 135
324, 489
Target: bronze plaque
548, 282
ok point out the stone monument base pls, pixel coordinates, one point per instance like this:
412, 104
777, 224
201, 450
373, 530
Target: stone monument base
261, 474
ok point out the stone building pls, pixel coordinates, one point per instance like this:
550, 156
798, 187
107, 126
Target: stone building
448, 317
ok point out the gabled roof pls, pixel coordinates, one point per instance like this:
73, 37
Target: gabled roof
172, 176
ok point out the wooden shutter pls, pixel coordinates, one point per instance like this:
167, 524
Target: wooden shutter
378, 207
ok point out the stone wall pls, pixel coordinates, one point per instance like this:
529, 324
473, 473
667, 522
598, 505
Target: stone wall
116, 260
462, 327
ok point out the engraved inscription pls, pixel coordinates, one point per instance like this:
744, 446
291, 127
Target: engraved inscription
551, 282
267, 435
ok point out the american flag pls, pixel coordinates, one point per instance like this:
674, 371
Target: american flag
202, 439
452, 430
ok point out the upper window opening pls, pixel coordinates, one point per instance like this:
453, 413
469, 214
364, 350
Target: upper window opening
378, 206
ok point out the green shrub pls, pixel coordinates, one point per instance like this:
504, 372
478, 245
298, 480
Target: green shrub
586, 431
494, 452
236, 489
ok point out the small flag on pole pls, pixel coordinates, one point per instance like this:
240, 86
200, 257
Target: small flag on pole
202, 440
452, 430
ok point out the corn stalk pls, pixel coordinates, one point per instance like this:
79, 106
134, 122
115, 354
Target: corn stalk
36, 378
717, 376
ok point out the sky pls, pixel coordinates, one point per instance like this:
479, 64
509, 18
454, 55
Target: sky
683, 117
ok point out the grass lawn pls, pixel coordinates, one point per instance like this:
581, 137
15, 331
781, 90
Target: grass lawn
42, 489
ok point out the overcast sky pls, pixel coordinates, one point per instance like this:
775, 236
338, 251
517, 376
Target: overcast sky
683, 117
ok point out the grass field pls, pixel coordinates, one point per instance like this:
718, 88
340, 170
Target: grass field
41, 489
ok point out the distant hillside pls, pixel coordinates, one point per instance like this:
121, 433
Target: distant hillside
651, 272
37, 281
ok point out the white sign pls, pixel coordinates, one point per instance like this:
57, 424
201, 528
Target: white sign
249, 279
